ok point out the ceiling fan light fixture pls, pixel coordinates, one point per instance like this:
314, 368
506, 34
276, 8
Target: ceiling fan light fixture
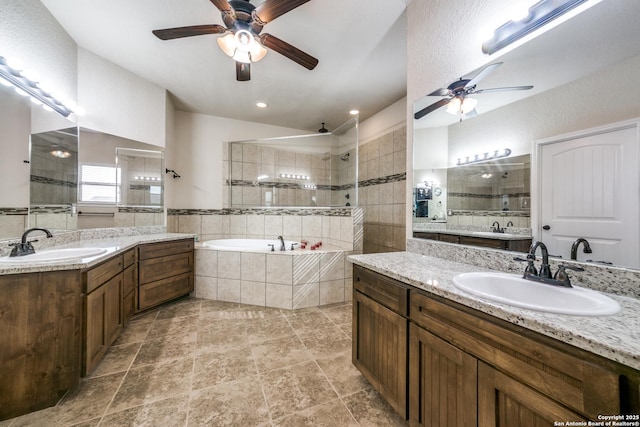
242, 46
461, 106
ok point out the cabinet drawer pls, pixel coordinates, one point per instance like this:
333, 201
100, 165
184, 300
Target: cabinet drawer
388, 292
129, 257
167, 266
425, 235
130, 279
103, 272
157, 292
562, 372
154, 250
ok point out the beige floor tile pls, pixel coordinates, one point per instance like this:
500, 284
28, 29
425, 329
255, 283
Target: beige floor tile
216, 367
331, 414
89, 400
117, 359
135, 332
341, 373
295, 388
369, 409
181, 308
267, 328
278, 353
164, 349
238, 403
175, 326
149, 383
169, 412
307, 319
324, 341
338, 313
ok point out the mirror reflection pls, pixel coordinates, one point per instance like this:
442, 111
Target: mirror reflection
584, 74
53, 189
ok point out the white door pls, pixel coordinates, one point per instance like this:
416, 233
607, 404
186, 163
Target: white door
589, 187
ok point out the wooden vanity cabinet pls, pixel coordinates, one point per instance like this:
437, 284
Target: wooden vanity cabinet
165, 272
516, 245
467, 368
129, 285
380, 335
41, 330
103, 310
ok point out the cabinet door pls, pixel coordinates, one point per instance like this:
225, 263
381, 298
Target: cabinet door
380, 349
506, 402
442, 382
103, 321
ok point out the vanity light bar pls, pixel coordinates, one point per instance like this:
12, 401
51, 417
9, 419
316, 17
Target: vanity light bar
30, 87
497, 154
310, 187
540, 14
293, 176
147, 178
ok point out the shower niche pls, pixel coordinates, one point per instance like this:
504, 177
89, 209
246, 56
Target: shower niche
315, 170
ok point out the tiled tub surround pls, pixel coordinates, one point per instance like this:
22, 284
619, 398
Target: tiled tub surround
430, 266
281, 279
335, 227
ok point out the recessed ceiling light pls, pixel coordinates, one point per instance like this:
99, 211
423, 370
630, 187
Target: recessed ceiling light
354, 112
261, 104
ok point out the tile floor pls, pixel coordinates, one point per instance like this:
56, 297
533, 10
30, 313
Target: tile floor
198, 362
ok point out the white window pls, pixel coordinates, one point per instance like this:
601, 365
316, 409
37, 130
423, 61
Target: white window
98, 184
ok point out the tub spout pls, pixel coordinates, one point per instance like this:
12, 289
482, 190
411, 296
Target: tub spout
282, 245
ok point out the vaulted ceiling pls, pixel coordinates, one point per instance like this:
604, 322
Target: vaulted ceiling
360, 45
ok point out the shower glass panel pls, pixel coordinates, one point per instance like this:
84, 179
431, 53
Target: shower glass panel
316, 170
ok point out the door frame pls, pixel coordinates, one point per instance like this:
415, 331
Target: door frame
536, 163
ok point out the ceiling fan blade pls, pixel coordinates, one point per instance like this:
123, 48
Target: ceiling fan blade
271, 9
502, 89
222, 5
433, 107
440, 92
243, 72
196, 30
291, 52
482, 74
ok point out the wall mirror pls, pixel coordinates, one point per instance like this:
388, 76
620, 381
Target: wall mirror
318, 170
584, 74
121, 182
53, 189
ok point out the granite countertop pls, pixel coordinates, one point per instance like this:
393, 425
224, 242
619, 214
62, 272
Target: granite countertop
614, 337
113, 245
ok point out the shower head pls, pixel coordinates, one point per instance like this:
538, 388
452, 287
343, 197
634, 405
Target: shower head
345, 157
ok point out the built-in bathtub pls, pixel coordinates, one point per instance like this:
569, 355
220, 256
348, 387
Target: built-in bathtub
246, 271
248, 245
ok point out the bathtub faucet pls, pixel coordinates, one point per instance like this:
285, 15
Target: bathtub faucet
282, 246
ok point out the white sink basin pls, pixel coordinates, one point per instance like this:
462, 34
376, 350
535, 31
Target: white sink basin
54, 255
513, 290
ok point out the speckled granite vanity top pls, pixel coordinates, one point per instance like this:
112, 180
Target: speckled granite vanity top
615, 337
113, 245
468, 233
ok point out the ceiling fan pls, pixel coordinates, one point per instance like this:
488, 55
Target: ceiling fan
242, 29
456, 94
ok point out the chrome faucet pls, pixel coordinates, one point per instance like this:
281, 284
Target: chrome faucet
496, 227
545, 270
282, 246
24, 247
576, 244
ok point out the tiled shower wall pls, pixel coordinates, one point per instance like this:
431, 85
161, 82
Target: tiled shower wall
382, 175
